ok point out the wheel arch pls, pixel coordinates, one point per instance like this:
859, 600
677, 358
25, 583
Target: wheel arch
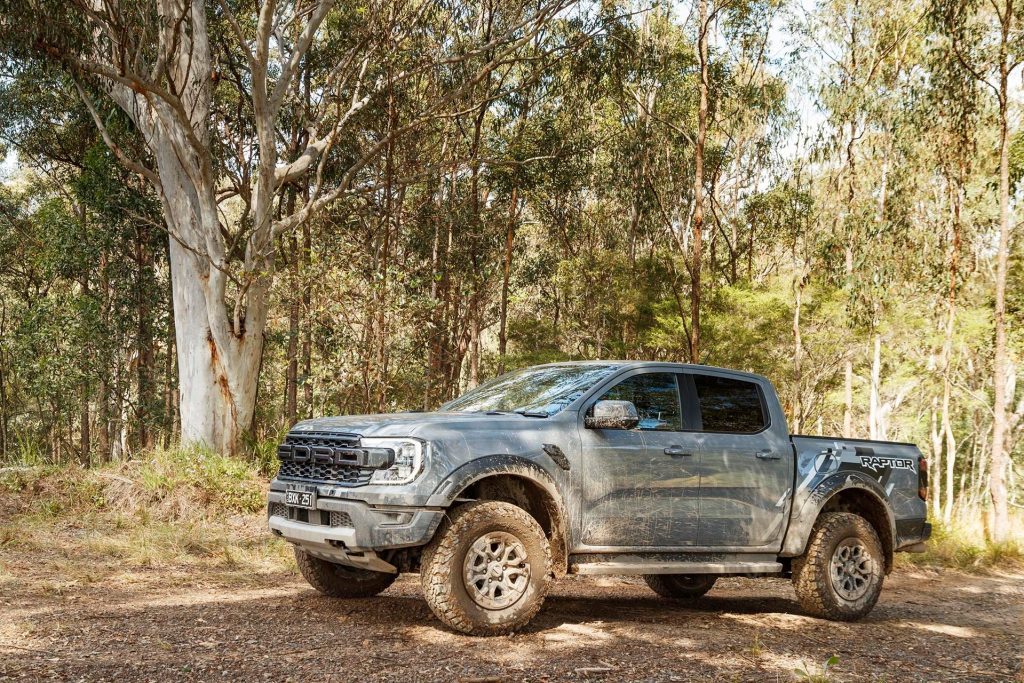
844, 493
521, 482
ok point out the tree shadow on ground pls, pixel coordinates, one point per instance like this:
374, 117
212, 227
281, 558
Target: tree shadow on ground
141, 631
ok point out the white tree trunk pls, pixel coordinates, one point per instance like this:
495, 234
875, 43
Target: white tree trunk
848, 399
947, 432
219, 381
218, 362
936, 460
1000, 529
798, 352
874, 411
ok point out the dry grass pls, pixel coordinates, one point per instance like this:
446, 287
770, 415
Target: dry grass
189, 506
964, 545
169, 508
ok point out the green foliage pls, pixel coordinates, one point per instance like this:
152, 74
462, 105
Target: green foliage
577, 165
82, 298
808, 674
739, 324
215, 481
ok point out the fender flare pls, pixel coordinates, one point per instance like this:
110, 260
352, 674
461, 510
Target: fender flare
491, 465
523, 467
803, 521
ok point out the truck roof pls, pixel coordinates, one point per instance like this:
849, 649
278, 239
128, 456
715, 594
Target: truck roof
657, 363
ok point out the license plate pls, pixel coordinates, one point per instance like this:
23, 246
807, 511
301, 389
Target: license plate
300, 498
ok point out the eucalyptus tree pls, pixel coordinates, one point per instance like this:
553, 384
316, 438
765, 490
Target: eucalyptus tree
951, 113
703, 29
694, 96
213, 90
985, 38
108, 253
746, 23
862, 46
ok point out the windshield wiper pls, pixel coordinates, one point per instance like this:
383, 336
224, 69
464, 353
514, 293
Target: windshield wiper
525, 412
529, 413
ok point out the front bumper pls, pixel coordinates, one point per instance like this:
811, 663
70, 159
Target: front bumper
351, 532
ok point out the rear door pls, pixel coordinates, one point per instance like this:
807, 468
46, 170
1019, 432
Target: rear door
746, 469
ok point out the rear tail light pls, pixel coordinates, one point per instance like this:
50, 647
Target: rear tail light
922, 478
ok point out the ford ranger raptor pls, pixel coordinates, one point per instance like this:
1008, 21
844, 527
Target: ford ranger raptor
677, 473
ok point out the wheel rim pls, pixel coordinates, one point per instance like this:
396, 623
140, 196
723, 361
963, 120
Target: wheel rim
496, 570
851, 569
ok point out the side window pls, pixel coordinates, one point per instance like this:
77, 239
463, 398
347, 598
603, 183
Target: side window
729, 405
656, 397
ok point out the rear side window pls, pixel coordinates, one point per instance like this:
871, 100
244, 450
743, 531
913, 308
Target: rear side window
729, 405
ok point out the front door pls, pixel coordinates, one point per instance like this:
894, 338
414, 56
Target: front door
746, 464
641, 486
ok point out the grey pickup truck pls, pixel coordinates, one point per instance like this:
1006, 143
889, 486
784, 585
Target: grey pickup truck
677, 473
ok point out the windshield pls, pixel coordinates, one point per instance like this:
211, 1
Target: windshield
542, 391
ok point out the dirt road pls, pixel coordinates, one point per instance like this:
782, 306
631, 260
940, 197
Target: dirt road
177, 624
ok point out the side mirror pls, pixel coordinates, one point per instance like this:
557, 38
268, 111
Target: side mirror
612, 415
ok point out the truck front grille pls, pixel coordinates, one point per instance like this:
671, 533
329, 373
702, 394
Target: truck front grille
322, 439
338, 473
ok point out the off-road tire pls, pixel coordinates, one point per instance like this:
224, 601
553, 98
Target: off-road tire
339, 581
442, 568
680, 586
812, 577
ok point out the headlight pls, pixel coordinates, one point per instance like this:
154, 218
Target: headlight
409, 455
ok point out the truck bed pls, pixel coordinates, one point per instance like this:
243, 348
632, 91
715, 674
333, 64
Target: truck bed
890, 469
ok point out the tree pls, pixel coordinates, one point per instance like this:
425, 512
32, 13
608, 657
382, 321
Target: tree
987, 44
703, 27
210, 90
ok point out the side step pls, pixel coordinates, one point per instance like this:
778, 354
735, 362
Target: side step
604, 568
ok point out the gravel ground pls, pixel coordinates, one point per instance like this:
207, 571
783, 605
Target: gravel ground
179, 623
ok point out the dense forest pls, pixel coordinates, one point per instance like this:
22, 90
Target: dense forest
217, 221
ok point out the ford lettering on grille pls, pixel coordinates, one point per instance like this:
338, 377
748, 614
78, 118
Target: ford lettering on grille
335, 458
322, 455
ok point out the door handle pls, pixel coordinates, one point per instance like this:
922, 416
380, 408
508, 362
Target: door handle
676, 451
767, 455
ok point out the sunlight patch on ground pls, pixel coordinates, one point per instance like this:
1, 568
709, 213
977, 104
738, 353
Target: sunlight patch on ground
202, 597
777, 620
608, 581
653, 638
1006, 583
581, 633
945, 629
71, 595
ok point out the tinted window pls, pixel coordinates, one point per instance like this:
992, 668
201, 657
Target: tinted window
655, 396
729, 405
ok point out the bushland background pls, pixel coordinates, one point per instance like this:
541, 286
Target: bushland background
389, 202
218, 218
